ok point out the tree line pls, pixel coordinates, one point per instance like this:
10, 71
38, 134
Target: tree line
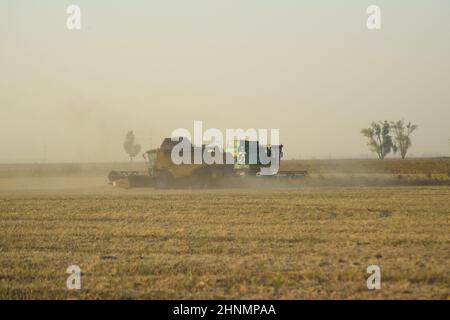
385, 137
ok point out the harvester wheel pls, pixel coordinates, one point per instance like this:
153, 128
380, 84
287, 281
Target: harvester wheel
207, 178
163, 180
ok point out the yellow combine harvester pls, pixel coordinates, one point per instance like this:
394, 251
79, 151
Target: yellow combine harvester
162, 173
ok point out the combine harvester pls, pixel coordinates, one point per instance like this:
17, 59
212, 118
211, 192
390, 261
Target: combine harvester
162, 173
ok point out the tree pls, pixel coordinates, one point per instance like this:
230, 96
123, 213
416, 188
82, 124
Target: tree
130, 147
401, 135
380, 140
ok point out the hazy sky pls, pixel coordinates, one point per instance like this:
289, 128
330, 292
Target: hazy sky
309, 68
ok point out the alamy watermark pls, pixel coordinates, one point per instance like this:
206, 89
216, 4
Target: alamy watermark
73, 282
374, 20
374, 280
73, 21
236, 146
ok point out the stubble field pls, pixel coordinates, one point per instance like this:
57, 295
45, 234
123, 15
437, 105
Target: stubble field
311, 241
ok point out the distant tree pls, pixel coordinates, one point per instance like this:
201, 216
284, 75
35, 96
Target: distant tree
401, 135
380, 140
130, 147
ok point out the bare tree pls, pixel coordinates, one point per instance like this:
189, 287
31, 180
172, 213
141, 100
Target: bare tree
380, 140
401, 135
130, 147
